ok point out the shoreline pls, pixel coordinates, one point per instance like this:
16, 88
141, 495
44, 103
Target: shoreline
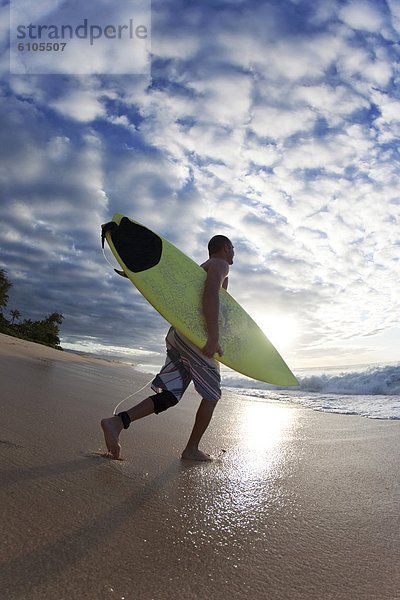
21, 347
298, 505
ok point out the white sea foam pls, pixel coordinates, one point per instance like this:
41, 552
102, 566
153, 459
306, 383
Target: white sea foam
371, 392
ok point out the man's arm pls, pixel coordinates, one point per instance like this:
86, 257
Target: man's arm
216, 275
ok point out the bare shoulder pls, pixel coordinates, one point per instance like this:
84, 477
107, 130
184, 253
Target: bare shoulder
217, 273
216, 267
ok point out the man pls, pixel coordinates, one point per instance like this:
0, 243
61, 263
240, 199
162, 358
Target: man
186, 363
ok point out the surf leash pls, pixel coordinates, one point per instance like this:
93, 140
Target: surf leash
130, 396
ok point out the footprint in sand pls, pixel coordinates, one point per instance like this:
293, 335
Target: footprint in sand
8, 444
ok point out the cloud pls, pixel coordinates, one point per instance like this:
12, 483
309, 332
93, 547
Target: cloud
394, 6
362, 14
80, 105
277, 123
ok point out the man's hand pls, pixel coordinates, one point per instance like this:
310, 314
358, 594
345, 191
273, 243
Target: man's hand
212, 347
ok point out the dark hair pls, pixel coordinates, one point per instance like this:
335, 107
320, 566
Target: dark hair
217, 243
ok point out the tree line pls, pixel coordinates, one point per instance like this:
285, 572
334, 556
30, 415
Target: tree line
45, 331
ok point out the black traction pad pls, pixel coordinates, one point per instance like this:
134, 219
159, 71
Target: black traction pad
139, 248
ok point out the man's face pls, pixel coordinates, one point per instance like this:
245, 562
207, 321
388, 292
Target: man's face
229, 252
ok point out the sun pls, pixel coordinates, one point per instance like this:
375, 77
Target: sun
281, 330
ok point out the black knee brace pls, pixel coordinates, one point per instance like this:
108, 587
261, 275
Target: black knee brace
163, 400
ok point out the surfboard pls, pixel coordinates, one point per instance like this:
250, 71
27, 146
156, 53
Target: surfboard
173, 283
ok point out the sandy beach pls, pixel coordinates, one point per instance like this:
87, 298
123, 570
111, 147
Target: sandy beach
298, 505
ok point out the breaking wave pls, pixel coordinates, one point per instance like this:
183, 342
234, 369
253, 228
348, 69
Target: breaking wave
372, 392
372, 382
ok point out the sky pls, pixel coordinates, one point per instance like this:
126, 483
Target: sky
275, 123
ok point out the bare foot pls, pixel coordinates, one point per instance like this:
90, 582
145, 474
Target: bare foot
196, 455
112, 427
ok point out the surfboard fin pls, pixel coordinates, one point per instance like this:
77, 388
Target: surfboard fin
104, 228
122, 273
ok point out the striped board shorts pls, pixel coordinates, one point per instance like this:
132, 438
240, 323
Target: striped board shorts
186, 363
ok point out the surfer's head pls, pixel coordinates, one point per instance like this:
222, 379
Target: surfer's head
222, 247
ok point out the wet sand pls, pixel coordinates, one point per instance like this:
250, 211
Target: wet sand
297, 505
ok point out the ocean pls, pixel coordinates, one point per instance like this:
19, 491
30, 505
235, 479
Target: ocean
369, 391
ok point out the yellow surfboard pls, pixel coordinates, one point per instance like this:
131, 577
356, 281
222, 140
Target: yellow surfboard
173, 283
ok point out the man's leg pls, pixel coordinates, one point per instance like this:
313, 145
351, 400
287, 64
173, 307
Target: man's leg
203, 418
113, 426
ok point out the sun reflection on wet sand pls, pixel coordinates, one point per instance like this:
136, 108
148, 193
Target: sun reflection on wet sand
246, 486
264, 429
